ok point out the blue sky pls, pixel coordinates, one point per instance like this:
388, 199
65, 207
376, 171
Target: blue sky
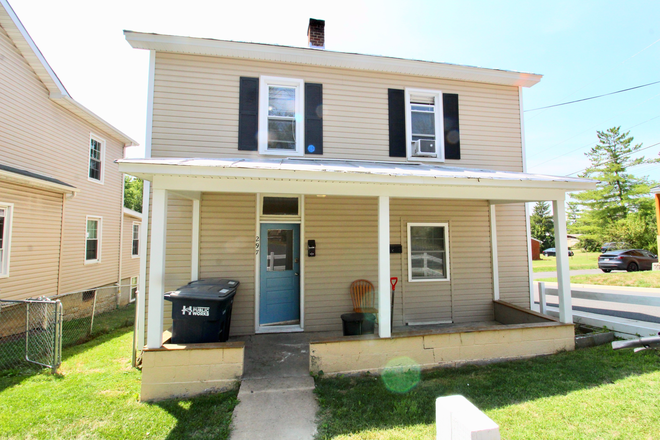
583, 48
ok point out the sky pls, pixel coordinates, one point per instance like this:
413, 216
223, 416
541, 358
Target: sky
582, 48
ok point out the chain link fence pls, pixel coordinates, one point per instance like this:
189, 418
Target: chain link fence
34, 330
30, 333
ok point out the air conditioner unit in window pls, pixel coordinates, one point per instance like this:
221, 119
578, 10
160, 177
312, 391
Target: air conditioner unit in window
424, 148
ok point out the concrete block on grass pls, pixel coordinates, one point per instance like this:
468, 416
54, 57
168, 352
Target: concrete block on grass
458, 419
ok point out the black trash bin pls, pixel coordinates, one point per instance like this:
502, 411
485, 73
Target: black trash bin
201, 310
358, 323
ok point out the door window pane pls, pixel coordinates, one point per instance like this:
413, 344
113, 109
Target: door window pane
280, 206
428, 259
280, 250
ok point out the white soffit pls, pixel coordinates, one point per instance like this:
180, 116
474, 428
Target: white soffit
349, 171
655, 190
326, 58
58, 93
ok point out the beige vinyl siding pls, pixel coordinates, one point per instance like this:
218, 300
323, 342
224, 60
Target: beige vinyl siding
470, 287
227, 250
38, 135
35, 242
346, 234
130, 265
196, 111
512, 254
178, 250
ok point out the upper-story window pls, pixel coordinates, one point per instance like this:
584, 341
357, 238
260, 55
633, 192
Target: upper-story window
281, 118
424, 125
93, 240
5, 237
96, 156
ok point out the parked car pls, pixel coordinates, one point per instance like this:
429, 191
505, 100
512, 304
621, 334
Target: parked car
631, 260
612, 246
551, 252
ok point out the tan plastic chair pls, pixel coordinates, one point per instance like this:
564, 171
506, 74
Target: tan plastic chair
363, 295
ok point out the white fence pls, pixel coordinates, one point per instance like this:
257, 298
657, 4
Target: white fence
601, 298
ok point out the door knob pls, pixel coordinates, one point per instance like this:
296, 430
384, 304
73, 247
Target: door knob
296, 274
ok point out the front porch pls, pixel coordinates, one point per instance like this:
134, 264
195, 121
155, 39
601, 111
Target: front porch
464, 299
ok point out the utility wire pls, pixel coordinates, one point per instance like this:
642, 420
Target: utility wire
592, 97
623, 155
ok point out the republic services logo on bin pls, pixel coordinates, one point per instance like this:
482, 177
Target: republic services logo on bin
195, 311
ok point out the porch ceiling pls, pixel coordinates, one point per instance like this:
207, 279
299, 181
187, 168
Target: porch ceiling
349, 177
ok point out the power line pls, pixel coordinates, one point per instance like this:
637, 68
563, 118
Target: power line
623, 155
592, 97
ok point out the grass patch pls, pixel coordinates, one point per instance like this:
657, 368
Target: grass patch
594, 393
623, 279
581, 260
95, 395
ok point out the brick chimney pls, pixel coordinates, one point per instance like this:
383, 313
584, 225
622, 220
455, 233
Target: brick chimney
316, 34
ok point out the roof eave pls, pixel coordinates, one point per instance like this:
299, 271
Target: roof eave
37, 183
147, 171
299, 55
57, 92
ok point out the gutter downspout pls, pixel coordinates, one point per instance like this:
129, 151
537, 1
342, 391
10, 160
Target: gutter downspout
59, 263
121, 237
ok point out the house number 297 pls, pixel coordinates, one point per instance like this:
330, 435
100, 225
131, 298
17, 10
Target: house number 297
257, 244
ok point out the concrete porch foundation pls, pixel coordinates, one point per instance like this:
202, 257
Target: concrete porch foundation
186, 370
446, 345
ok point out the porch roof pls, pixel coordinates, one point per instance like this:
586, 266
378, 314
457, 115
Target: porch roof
348, 171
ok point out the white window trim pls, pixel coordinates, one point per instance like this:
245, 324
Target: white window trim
264, 82
135, 285
439, 125
9, 216
99, 239
139, 237
103, 146
410, 278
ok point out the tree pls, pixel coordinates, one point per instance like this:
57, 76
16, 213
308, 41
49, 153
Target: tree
133, 193
619, 193
542, 225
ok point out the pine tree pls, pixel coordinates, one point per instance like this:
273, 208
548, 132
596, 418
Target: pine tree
619, 193
542, 225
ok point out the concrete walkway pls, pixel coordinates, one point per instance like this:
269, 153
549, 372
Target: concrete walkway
276, 398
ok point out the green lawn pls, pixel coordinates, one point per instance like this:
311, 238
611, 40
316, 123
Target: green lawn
581, 260
625, 279
587, 394
95, 395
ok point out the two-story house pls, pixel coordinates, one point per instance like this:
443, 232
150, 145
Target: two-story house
300, 170
60, 188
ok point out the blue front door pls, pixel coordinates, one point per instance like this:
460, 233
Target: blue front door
280, 274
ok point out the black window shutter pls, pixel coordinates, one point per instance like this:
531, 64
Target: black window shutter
248, 114
397, 119
313, 118
452, 133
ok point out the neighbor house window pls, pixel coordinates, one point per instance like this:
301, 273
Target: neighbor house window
96, 154
93, 240
281, 121
428, 255
424, 125
5, 237
135, 249
134, 288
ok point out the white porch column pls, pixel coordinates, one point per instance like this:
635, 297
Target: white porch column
493, 253
563, 272
157, 269
384, 307
194, 255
